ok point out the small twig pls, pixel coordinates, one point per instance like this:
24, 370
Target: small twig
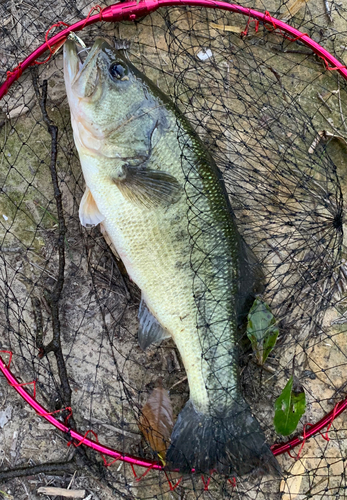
10, 250
52, 491
72, 479
43, 270
124, 433
265, 367
293, 51
324, 101
25, 489
53, 296
308, 492
332, 126
328, 10
293, 8
68, 467
177, 383
223, 27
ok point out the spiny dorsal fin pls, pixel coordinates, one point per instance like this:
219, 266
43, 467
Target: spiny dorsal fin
146, 187
150, 330
89, 212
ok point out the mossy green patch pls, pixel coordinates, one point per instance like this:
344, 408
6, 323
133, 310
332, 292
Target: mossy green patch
27, 204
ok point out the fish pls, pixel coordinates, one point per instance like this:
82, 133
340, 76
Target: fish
160, 198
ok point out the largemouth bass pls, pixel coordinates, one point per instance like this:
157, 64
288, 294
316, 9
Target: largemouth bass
161, 199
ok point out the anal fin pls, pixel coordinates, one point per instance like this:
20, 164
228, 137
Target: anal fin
150, 330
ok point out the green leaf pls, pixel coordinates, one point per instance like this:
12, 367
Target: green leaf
261, 330
289, 408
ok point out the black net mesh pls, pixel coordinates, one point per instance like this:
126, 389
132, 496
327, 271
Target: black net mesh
273, 118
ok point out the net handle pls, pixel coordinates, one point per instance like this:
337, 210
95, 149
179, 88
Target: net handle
131, 11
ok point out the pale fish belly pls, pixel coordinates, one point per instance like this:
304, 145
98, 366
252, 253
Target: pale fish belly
154, 247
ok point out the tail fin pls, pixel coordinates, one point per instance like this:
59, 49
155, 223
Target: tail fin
231, 443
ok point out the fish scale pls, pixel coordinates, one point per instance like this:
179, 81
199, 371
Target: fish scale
150, 245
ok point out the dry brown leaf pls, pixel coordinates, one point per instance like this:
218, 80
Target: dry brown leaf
156, 421
290, 487
233, 29
293, 7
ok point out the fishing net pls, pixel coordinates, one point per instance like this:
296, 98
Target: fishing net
272, 113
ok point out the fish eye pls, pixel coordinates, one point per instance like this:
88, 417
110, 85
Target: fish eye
118, 70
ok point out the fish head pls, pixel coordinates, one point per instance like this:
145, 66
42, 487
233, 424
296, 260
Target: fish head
105, 88
119, 117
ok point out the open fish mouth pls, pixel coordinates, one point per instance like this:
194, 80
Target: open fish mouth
84, 66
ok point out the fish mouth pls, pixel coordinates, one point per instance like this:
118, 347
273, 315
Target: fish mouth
84, 78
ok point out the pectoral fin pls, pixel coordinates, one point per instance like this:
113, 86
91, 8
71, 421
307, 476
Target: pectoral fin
146, 187
150, 330
89, 212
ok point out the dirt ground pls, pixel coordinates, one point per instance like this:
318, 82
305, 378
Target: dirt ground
109, 375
